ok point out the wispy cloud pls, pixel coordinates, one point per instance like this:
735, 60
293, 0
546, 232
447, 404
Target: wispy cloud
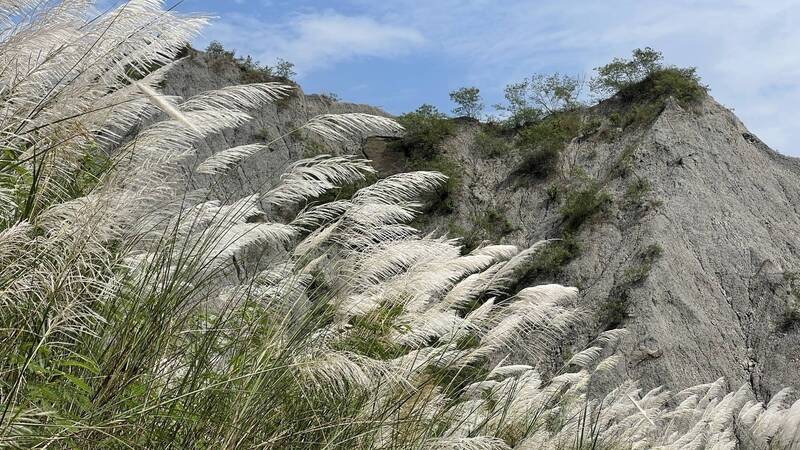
317, 40
746, 51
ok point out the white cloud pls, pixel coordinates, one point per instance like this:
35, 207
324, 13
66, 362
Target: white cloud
314, 41
745, 50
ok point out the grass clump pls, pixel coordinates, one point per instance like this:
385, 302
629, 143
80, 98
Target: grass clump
614, 311
583, 203
549, 264
445, 198
789, 319
425, 131
625, 162
369, 335
490, 144
645, 260
488, 225
637, 192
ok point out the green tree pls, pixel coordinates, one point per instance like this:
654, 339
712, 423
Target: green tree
468, 100
621, 73
284, 69
531, 99
215, 48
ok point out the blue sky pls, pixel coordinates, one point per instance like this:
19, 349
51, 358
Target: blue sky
398, 54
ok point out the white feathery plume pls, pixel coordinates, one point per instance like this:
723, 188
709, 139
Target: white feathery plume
513, 270
13, 240
788, 435
400, 188
312, 177
340, 127
423, 328
221, 161
586, 358
612, 337
214, 247
470, 288
512, 370
166, 106
314, 241
334, 370
466, 443
609, 364
642, 411
480, 317
547, 294
749, 413
355, 305
498, 252
316, 216
769, 422
242, 97
478, 388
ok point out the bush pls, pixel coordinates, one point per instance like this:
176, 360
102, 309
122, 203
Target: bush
489, 225
284, 69
215, 49
540, 145
645, 79
491, 145
553, 192
636, 192
681, 83
446, 198
582, 204
425, 130
551, 260
613, 311
789, 319
495, 224
643, 265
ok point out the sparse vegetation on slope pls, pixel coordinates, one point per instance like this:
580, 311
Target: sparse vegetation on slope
541, 144
582, 203
252, 70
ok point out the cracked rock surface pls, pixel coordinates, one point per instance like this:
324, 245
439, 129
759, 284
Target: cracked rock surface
723, 207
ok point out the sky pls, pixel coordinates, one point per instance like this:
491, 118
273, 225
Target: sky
399, 54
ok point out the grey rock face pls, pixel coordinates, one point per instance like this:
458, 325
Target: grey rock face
722, 206
199, 73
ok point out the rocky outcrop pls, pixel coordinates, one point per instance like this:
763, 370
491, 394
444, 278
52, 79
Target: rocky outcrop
720, 207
